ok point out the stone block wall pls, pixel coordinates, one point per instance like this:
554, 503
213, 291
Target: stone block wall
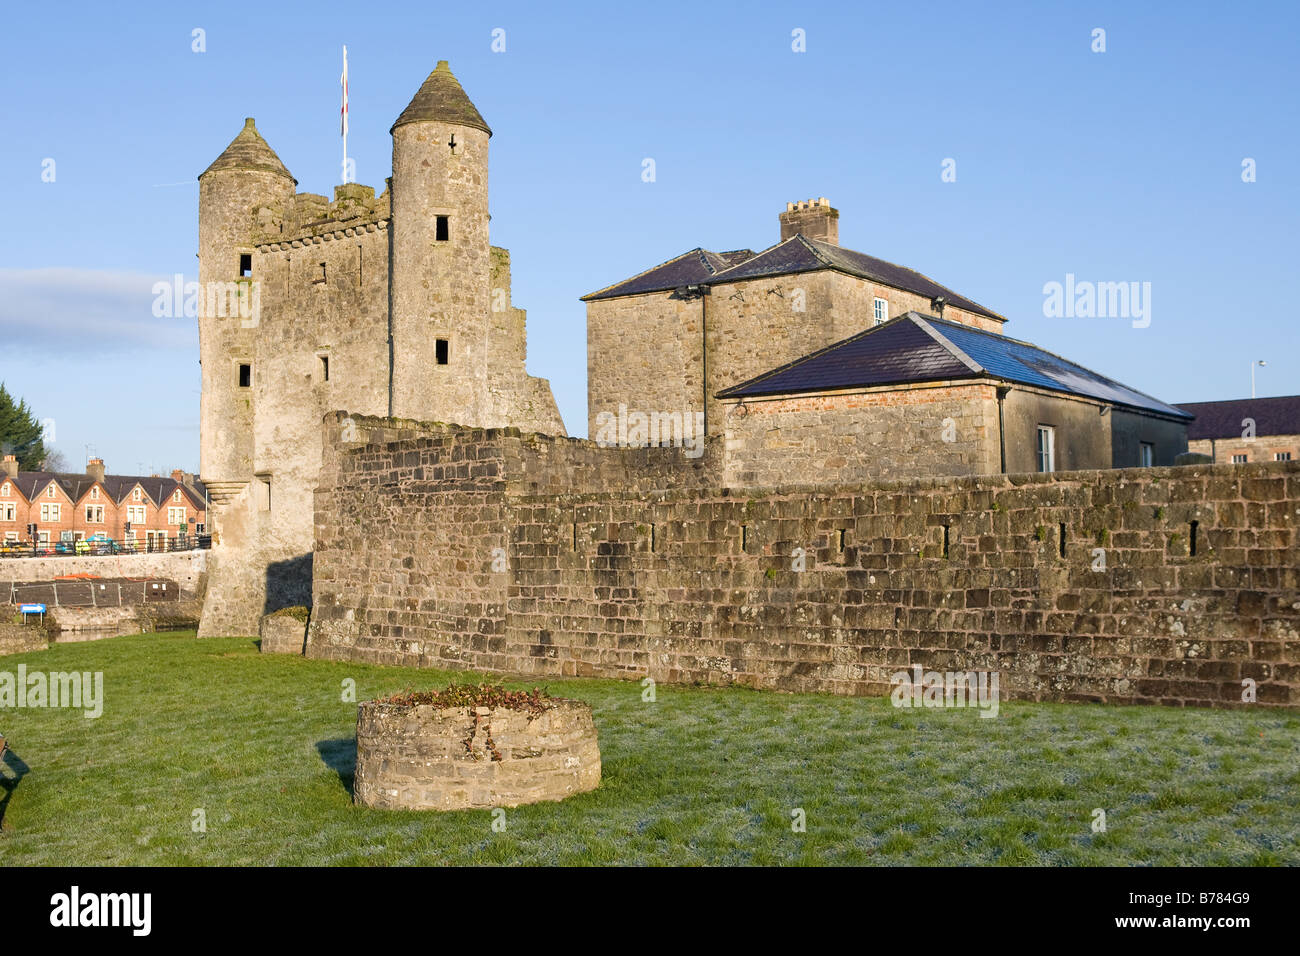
873, 434
1260, 448
22, 638
1169, 585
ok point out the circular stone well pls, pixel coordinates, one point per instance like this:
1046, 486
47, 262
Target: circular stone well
428, 757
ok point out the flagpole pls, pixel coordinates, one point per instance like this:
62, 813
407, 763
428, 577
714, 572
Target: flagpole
344, 174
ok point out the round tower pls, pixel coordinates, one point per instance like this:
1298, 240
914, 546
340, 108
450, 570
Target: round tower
441, 256
242, 197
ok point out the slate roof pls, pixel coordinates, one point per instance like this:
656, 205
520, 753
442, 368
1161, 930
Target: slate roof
31, 484
913, 348
441, 99
793, 255
1273, 416
249, 151
690, 268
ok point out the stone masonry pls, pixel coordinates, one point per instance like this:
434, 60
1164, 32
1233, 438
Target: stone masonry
523, 554
435, 758
394, 304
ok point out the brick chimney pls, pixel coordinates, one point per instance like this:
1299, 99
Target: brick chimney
95, 468
9, 466
814, 218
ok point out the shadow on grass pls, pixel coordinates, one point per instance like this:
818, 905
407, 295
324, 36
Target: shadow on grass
8, 784
340, 755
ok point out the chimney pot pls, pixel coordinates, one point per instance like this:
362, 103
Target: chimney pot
95, 468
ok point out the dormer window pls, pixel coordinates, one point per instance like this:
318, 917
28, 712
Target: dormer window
177, 496
49, 491
5, 490
137, 494
94, 492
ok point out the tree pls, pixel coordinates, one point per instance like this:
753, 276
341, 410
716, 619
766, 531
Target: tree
55, 461
20, 432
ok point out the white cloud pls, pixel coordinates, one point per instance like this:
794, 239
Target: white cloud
65, 311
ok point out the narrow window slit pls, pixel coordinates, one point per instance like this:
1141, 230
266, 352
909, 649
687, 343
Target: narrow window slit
945, 541
1060, 539
1192, 537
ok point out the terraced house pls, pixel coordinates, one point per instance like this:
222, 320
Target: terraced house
151, 511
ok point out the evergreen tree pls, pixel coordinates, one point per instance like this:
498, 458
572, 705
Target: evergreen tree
20, 432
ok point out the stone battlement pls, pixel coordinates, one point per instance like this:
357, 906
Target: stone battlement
514, 553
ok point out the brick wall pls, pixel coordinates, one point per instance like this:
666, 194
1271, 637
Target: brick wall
435, 547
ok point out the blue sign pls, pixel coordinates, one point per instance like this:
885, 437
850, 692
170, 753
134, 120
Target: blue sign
32, 608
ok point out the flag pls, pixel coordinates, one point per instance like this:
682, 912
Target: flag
343, 113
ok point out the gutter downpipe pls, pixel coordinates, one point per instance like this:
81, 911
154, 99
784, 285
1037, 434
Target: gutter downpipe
1003, 391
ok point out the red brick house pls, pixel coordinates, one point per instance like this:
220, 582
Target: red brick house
69, 507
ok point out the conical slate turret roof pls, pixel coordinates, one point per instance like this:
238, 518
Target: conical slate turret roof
441, 99
249, 151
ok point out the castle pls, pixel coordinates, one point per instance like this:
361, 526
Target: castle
850, 493
392, 305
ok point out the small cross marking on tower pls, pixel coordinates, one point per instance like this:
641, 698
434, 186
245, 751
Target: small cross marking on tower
452, 144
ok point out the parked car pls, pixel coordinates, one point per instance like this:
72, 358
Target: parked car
98, 544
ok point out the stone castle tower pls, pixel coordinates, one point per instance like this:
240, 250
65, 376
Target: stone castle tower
395, 305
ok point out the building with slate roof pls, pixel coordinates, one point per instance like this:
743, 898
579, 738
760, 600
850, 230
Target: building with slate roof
919, 395
151, 510
671, 337
1246, 429
819, 363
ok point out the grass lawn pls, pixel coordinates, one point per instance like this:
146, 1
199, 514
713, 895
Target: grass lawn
264, 745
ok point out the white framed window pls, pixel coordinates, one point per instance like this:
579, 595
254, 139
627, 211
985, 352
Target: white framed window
1146, 454
1046, 448
135, 514
49, 490
94, 492
881, 311
1282, 456
43, 537
136, 494
11, 535
1238, 459
4, 490
8, 512
177, 496
175, 515
51, 512
94, 514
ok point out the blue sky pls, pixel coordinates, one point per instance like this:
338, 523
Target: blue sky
1117, 166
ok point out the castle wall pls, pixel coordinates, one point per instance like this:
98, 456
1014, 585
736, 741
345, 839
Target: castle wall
459, 548
441, 288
